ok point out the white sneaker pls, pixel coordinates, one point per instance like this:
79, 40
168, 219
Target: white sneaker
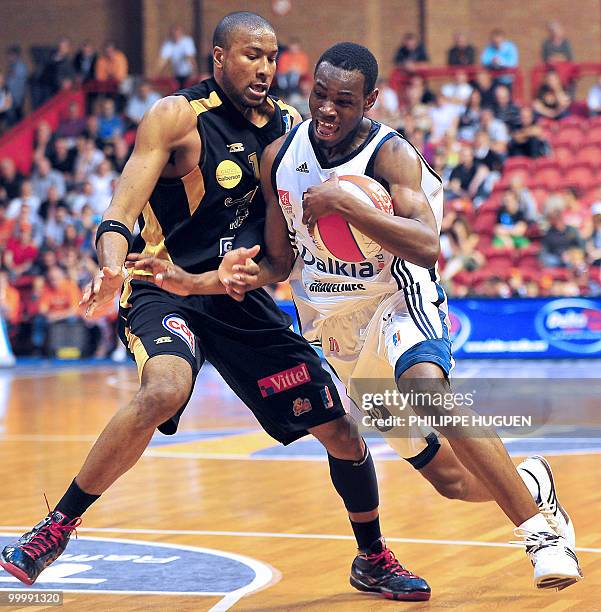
555, 563
536, 473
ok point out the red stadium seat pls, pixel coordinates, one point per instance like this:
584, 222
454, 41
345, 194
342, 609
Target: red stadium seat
517, 163
485, 222
590, 154
561, 155
569, 135
580, 176
549, 178
593, 135
560, 274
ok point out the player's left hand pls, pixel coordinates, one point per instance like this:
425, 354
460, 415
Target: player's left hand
321, 200
162, 273
238, 273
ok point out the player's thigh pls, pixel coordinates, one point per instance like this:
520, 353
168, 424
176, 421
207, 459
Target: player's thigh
278, 375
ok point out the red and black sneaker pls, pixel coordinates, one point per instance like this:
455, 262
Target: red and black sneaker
377, 571
35, 550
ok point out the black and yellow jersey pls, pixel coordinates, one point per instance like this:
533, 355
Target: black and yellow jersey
194, 220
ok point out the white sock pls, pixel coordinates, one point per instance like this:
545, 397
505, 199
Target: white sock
530, 483
536, 523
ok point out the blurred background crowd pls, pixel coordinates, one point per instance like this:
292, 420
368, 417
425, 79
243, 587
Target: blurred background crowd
521, 169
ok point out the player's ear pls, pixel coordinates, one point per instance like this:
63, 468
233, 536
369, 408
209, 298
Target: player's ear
370, 100
218, 57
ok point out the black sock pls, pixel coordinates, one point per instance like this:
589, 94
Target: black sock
367, 533
75, 501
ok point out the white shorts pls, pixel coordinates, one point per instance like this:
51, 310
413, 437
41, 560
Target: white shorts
378, 341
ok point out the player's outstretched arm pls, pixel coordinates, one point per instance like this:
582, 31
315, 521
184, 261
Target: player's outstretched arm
163, 129
411, 233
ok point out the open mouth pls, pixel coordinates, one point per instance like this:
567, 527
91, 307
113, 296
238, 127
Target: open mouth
325, 129
258, 90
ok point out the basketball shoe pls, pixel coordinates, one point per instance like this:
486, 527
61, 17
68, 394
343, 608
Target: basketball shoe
38, 548
536, 473
377, 571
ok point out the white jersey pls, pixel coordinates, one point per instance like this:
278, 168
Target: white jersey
321, 284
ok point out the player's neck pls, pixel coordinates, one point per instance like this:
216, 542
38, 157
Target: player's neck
353, 141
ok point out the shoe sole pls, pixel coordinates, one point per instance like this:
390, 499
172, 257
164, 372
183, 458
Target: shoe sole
566, 516
411, 596
16, 572
558, 582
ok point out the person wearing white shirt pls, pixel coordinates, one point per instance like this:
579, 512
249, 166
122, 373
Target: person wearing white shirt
593, 99
180, 50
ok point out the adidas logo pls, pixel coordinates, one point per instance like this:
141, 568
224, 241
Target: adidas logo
304, 167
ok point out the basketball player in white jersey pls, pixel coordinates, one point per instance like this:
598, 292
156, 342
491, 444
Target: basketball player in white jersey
386, 317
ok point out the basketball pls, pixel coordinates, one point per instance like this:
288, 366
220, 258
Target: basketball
340, 239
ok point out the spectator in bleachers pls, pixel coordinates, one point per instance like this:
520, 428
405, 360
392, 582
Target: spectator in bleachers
526, 202
21, 250
6, 227
63, 158
593, 98
16, 80
44, 176
92, 131
10, 179
6, 104
593, 245
500, 54
552, 100
459, 249
112, 65
73, 125
59, 72
58, 301
485, 85
574, 213
462, 53
527, 138
467, 179
485, 153
52, 201
57, 222
85, 62
102, 186
119, 155
178, 50
511, 227
88, 158
85, 226
79, 197
300, 98
26, 198
504, 108
469, 120
293, 63
558, 240
10, 302
556, 47
411, 54
110, 124
459, 90
140, 102
43, 140
444, 118
495, 128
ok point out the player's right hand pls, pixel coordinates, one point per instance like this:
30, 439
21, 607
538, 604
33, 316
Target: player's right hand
102, 289
164, 274
238, 273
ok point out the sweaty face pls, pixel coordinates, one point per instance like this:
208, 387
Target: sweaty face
337, 103
248, 66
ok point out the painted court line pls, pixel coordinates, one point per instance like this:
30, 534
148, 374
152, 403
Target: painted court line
295, 536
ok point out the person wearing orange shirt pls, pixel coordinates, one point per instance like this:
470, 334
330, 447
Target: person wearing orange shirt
293, 63
10, 301
112, 64
59, 301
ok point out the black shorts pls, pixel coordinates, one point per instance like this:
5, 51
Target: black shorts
274, 371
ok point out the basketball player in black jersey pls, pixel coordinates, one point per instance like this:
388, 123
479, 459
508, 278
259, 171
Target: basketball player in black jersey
193, 184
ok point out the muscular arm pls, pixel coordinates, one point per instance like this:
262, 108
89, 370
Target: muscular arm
161, 131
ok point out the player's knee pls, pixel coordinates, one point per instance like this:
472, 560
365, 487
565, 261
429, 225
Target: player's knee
341, 438
156, 403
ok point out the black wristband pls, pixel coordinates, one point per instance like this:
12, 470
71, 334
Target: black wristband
110, 225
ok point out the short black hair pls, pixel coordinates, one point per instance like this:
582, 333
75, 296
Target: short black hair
351, 56
233, 21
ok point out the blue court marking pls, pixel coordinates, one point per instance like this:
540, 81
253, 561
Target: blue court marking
198, 435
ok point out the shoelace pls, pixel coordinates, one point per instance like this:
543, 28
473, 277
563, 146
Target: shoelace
387, 560
535, 540
49, 535
546, 511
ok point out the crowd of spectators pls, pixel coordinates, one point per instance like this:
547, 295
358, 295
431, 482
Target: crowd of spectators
537, 241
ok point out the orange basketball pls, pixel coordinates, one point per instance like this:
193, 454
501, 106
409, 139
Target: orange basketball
340, 239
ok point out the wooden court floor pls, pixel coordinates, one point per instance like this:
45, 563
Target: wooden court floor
234, 508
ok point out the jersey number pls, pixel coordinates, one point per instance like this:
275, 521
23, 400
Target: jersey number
253, 160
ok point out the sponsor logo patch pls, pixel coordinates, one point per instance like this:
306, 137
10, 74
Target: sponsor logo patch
326, 397
163, 340
396, 338
284, 380
334, 346
225, 245
176, 325
300, 406
235, 147
304, 167
228, 174
285, 200
336, 287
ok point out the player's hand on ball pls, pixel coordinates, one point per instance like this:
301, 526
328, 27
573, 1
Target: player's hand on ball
162, 273
238, 273
102, 289
321, 200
